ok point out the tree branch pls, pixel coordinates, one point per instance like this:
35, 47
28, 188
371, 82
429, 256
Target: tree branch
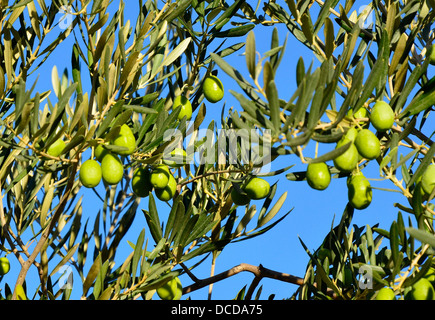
259, 272
45, 235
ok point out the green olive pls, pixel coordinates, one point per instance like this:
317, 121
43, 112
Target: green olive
238, 198
168, 192
359, 191
176, 158
428, 179
318, 175
4, 266
368, 144
351, 133
90, 173
160, 176
186, 107
421, 290
171, 290
56, 148
100, 152
140, 182
213, 89
348, 160
112, 169
430, 275
126, 139
257, 188
382, 116
361, 113
385, 294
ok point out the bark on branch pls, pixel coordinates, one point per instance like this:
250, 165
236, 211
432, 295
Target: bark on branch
258, 271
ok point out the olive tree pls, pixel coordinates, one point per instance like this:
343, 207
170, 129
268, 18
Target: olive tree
127, 74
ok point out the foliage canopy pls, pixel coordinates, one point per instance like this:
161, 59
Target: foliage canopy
128, 73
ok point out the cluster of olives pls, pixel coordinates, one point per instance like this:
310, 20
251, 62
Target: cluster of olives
255, 189
213, 91
159, 178
363, 144
422, 289
107, 165
163, 182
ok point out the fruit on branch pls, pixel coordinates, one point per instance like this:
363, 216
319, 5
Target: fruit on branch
318, 175
160, 176
213, 89
385, 294
100, 152
359, 191
171, 290
90, 173
140, 183
361, 113
126, 139
257, 188
168, 192
239, 198
186, 107
382, 116
112, 169
348, 160
368, 144
176, 158
56, 148
351, 134
421, 290
4, 266
430, 275
428, 179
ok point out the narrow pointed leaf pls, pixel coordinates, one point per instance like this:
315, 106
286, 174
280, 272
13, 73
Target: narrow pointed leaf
250, 53
272, 96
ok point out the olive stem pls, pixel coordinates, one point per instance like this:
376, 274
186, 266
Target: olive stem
321, 3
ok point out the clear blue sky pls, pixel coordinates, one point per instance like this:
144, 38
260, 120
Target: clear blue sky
279, 249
